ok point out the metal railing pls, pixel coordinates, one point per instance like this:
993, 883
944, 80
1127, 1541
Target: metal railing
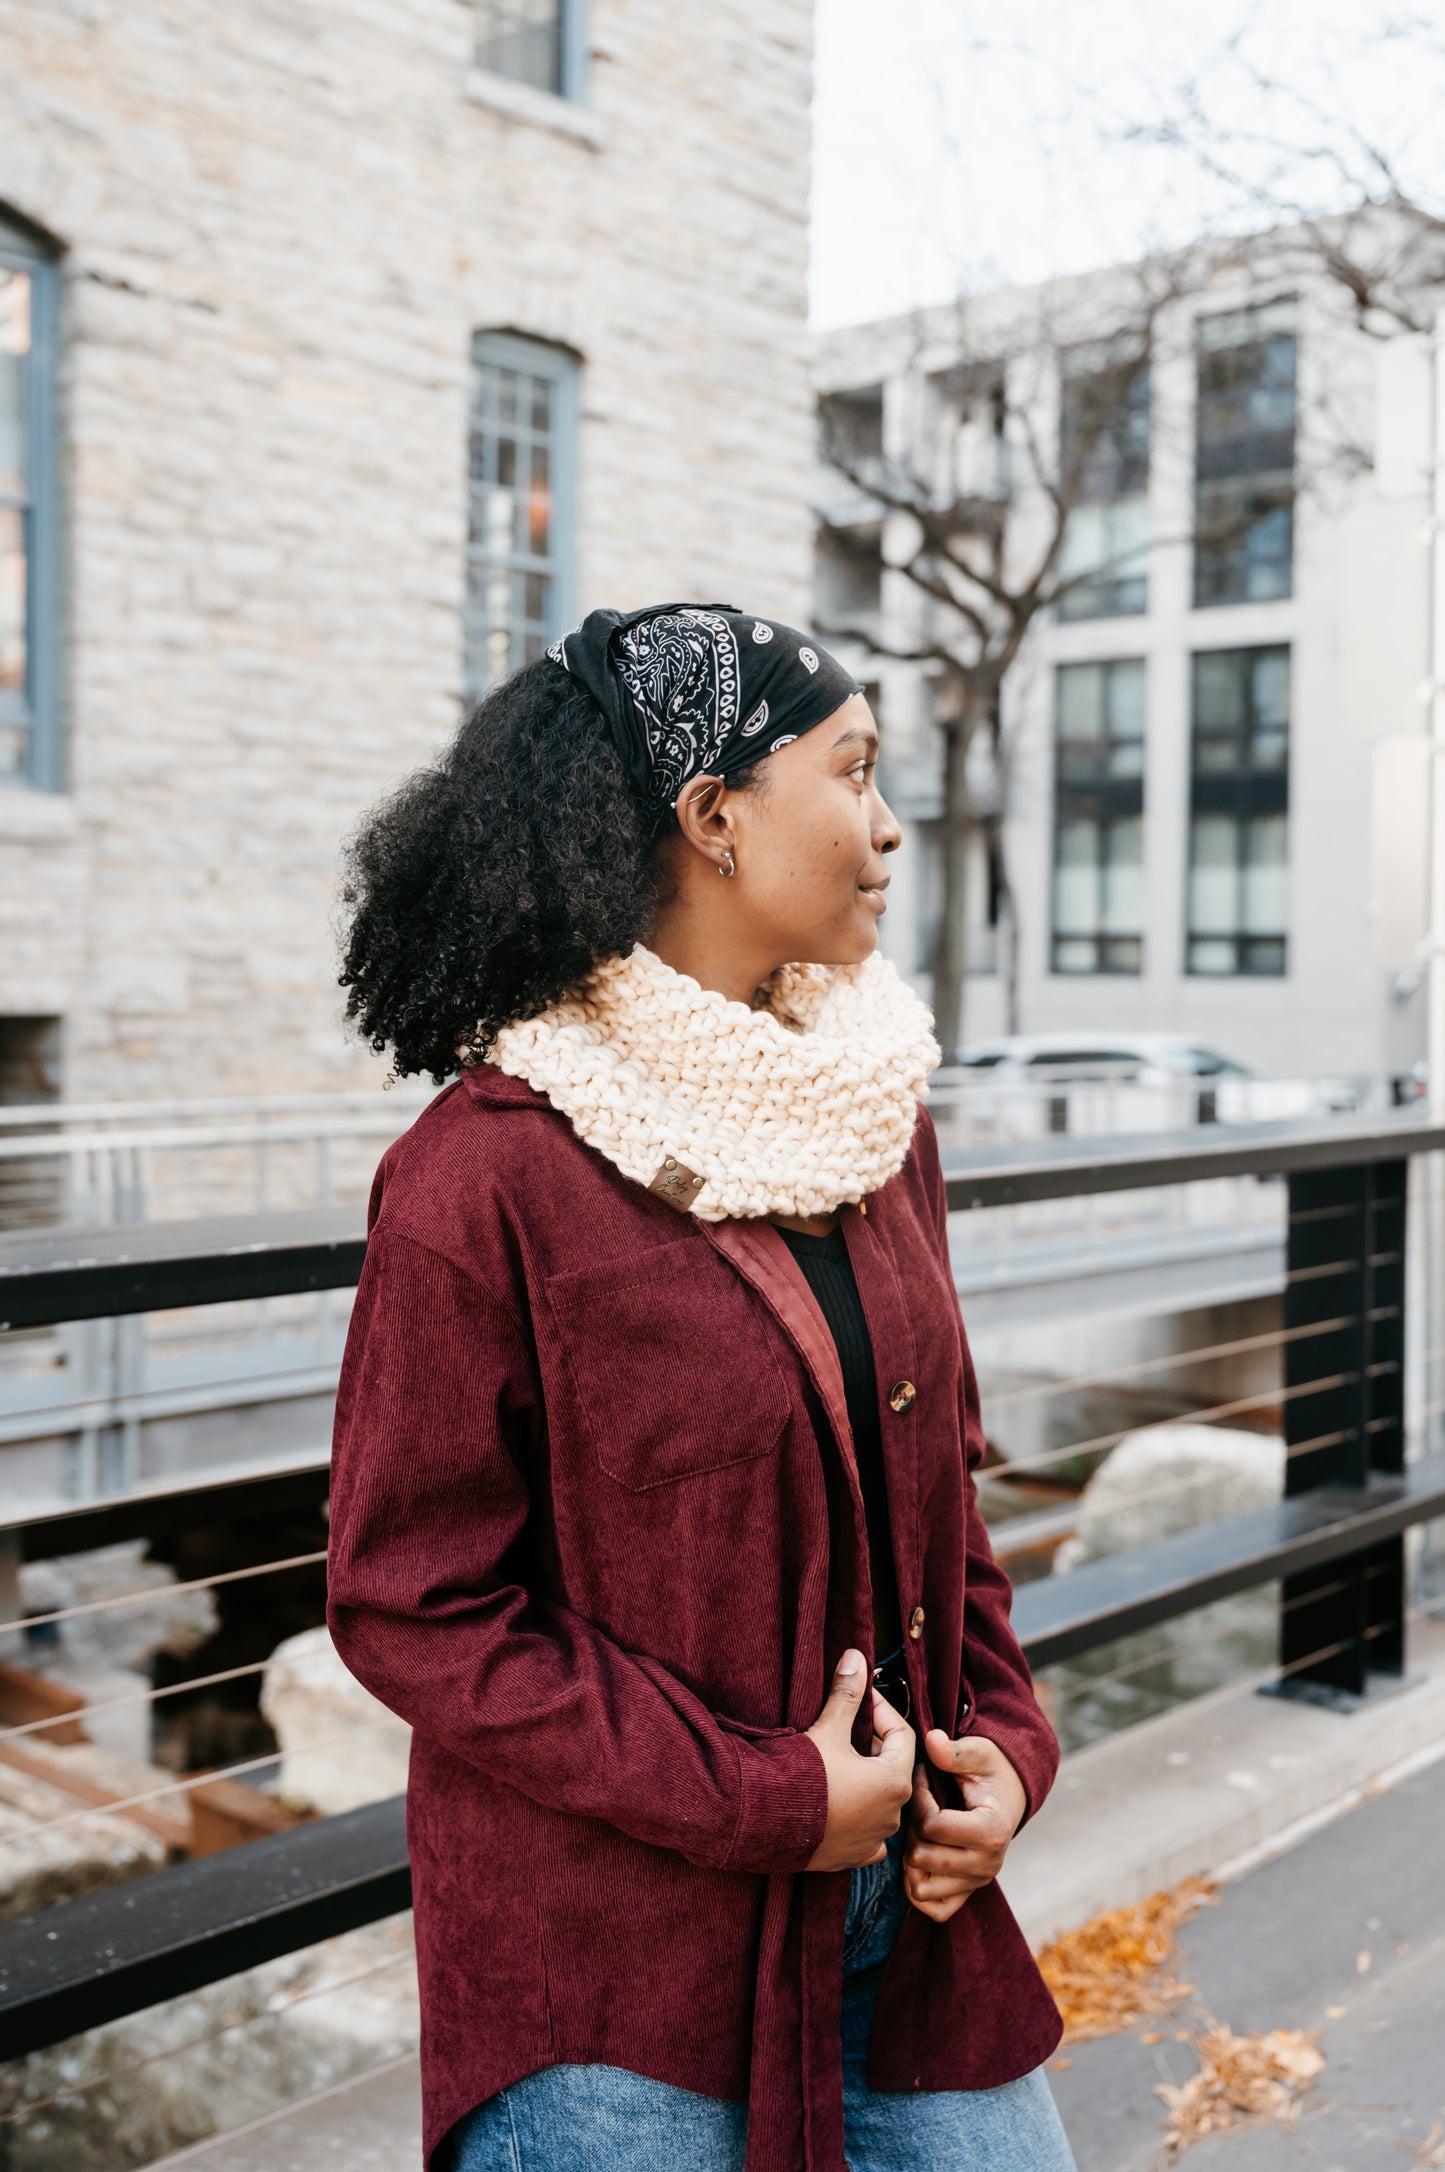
91, 1405
1012, 1101
1361, 1468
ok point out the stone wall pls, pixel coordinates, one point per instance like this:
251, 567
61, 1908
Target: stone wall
280, 227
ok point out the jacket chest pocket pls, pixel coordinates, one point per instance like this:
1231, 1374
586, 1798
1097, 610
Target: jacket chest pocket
671, 1363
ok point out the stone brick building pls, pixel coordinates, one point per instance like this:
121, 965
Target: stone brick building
270, 279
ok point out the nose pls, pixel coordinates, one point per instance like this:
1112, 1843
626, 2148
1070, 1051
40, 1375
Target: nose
886, 832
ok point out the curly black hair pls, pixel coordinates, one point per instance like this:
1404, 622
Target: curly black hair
487, 886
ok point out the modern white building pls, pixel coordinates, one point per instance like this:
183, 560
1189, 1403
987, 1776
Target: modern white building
1212, 788
345, 353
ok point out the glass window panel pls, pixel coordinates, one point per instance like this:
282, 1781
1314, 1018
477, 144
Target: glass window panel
1213, 875
1121, 954
1081, 701
539, 504
1122, 906
14, 347
1269, 685
500, 508
1217, 690
1262, 954
1263, 897
1075, 954
1206, 955
522, 39
1124, 688
1076, 879
519, 415
13, 589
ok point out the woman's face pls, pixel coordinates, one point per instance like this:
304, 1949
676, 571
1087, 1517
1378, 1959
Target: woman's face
808, 844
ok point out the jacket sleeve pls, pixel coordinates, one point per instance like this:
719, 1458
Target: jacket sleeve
998, 1689
434, 1600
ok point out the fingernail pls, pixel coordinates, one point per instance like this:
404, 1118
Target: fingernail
851, 1663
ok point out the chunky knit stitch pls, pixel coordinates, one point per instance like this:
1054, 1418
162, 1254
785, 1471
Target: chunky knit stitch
794, 1108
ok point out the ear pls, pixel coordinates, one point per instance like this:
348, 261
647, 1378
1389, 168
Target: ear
704, 819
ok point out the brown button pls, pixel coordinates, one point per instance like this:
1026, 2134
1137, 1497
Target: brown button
902, 1397
915, 1623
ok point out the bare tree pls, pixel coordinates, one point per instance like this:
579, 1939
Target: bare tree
1011, 440
1363, 206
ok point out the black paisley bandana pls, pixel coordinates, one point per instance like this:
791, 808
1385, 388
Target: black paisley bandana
689, 689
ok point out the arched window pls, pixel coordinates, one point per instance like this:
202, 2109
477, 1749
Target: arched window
521, 492
29, 752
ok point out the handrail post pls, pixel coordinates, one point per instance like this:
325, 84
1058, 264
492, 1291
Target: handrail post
1344, 1423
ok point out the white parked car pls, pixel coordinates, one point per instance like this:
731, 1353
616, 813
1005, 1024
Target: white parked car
1125, 1082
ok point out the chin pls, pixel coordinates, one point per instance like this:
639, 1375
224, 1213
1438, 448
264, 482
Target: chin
848, 948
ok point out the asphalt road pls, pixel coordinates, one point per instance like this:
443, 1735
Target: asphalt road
1281, 1947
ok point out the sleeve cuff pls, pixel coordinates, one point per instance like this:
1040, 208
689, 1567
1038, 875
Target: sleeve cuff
784, 1812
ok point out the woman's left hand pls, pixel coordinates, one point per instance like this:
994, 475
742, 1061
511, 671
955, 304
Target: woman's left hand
951, 1853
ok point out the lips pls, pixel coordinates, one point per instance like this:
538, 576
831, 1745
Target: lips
873, 891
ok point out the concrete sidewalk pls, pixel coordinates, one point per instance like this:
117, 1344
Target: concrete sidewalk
1352, 1918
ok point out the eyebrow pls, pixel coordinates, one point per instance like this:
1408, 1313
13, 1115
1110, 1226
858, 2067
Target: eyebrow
857, 735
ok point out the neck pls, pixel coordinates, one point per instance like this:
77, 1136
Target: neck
687, 942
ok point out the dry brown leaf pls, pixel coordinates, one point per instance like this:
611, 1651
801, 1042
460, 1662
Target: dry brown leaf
1115, 1970
1241, 2079
1430, 2155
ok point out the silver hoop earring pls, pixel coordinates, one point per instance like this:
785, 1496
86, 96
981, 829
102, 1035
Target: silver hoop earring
730, 869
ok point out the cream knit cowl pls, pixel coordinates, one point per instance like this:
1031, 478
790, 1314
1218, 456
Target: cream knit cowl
793, 1108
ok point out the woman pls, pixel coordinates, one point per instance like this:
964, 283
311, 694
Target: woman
654, 1440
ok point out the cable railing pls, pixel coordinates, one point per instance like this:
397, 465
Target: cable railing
1347, 1401
1017, 1098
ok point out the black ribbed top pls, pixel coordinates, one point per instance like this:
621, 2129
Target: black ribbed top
829, 1272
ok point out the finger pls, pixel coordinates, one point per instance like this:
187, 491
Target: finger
970, 1864
925, 1802
895, 1750
850, 1677
961, 1828
942, 1911
887, 1721
966, 1756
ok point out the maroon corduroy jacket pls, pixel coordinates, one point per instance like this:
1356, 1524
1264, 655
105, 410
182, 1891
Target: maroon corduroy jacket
596, 1532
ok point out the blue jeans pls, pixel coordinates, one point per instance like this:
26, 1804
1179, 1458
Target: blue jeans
603, 2119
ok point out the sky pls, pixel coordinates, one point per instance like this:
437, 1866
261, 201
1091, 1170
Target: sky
961, 144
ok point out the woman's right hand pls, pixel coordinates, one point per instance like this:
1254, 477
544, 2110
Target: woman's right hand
866, 1795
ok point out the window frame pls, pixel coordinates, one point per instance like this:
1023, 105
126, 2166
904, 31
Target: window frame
561, 366
1244, 794
1112, 483
571, 56
42, 770
1107, 798
1253, 464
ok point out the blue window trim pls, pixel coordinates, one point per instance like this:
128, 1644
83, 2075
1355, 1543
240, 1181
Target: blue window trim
515, 351
43, 770
574, 50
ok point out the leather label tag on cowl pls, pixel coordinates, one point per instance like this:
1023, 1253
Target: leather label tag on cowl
677, 1184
